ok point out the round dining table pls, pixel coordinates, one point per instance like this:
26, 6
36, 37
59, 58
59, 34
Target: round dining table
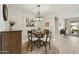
39, 35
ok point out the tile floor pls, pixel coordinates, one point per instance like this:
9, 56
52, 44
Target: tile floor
68, 44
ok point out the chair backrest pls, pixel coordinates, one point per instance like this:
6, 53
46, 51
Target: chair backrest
48, 35
29, 33
46, 31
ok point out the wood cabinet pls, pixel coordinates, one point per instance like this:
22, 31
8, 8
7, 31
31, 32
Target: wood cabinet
10, 42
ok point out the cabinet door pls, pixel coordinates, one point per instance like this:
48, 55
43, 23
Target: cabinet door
0, 43
5, 44
10, 42
15, 42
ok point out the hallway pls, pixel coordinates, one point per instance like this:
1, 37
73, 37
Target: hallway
68, 45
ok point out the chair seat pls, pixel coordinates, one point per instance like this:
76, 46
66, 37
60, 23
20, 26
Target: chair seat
44, 39
34, 38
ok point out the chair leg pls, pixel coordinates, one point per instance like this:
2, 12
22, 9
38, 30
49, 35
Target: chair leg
31, 46
28, 44
45, 48
49, 45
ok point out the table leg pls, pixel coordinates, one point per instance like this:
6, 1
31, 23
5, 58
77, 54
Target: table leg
38, 43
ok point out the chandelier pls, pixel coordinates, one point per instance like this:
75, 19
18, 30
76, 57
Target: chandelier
38, 18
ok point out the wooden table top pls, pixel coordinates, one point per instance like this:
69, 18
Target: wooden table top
38, 33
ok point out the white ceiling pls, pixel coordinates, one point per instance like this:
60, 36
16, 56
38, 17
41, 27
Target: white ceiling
65, 10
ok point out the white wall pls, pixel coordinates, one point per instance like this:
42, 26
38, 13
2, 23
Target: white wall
1, 11
57, 28
54, 25
61, 23
2, 22
51, 26
19, 17
68, 25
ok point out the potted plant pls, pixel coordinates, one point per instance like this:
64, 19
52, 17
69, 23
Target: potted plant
12, 23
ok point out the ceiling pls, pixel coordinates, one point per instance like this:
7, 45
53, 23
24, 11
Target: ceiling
65, 10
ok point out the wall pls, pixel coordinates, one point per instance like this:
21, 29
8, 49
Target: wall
1, 11
51, 26
61, 22
68, 25
54, 25
19, 17
2, 22
57, 28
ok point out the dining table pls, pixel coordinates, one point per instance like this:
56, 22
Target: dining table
38, 35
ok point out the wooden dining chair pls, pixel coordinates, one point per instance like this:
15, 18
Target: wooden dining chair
46, 40
30, 42
31, 39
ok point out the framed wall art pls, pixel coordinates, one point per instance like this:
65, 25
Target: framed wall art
29, 22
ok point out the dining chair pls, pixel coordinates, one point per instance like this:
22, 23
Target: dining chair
31, 39
30, 42
47, 39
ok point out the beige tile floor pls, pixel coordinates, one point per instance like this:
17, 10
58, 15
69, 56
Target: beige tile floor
35, 50
68, 44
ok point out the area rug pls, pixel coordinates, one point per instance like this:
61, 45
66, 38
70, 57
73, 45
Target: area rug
53, 50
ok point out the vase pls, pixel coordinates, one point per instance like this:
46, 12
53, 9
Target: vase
10, 28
